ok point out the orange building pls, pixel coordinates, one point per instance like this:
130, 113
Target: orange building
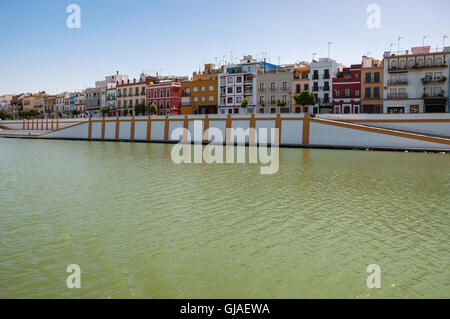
199, 95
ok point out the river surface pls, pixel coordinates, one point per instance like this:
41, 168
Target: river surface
141, 226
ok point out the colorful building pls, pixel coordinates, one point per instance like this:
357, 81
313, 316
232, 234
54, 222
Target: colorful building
300, 82
347, 90
322, 73
166, 95
199, 95
50, 106
238, 81
416, 81
274, 91
372, 85
130, 94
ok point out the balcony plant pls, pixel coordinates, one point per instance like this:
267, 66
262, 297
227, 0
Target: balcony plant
152, 108
104, 110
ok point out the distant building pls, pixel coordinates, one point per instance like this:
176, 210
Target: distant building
417, 82
347, 90
238, 81
93, 96
274, 88
199, 95
129, 94
80, 103
322, 73
50, 106
166, 95
300, 82
372, 85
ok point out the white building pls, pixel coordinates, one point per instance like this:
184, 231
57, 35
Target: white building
80, 103
416, 81
108, 84
321, 75
61, 105
238, 81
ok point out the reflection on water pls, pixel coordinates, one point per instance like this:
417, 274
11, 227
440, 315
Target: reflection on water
141, 226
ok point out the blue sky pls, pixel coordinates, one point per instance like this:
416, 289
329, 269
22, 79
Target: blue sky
39, 52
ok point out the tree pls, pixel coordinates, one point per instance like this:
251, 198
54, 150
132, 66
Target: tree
281, 102
30, 113
140, 109
152, 108
4, 115
76, 112
305, 98
104, 110
244, 103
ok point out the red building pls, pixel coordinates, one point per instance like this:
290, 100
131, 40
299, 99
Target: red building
347, 90
166, 95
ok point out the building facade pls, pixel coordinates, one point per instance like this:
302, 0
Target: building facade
93, 101
300, 82
80, 104
129, 94
50, 106
372, 85
416, 81
238, 81
274, 89
322, 73
166, 95
199, 95
347, 90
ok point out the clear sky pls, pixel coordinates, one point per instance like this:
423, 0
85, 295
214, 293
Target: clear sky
39, 52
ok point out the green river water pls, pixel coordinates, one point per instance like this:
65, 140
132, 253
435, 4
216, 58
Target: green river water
141, 226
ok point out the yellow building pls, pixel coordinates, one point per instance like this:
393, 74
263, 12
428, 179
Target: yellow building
199, 96
372, 85
50, 106
35, 101
129, 94
300, 83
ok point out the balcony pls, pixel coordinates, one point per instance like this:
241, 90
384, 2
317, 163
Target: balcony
429, 80
397, 96
273, 89
435, 96
326, 76
262, 89
315, 89
189, 94
284, 89
398, 82
315, 77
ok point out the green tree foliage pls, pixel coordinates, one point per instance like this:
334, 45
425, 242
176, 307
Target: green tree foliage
305, 98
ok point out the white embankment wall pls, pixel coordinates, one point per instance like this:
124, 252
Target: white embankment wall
432, 123
358, 131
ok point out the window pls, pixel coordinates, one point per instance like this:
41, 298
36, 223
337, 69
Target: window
161, 93
272, 86
347, 92
168, 104
230, 90
284, 86
367, 93
414, 109
211, 98
261, 87
411, 64
336, 93
195, 99
167, 92
203, 99
229, 80
195, 89
261, 100
369, 77
439, 61
239, 79
429, 62
239, 100
326, 74
230, 100
203, 89
272, 99
316, 75
393, 64
298, 88
238, 89
356, 93
306, 87
154, 94
211, 87
376, 92
377, 77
